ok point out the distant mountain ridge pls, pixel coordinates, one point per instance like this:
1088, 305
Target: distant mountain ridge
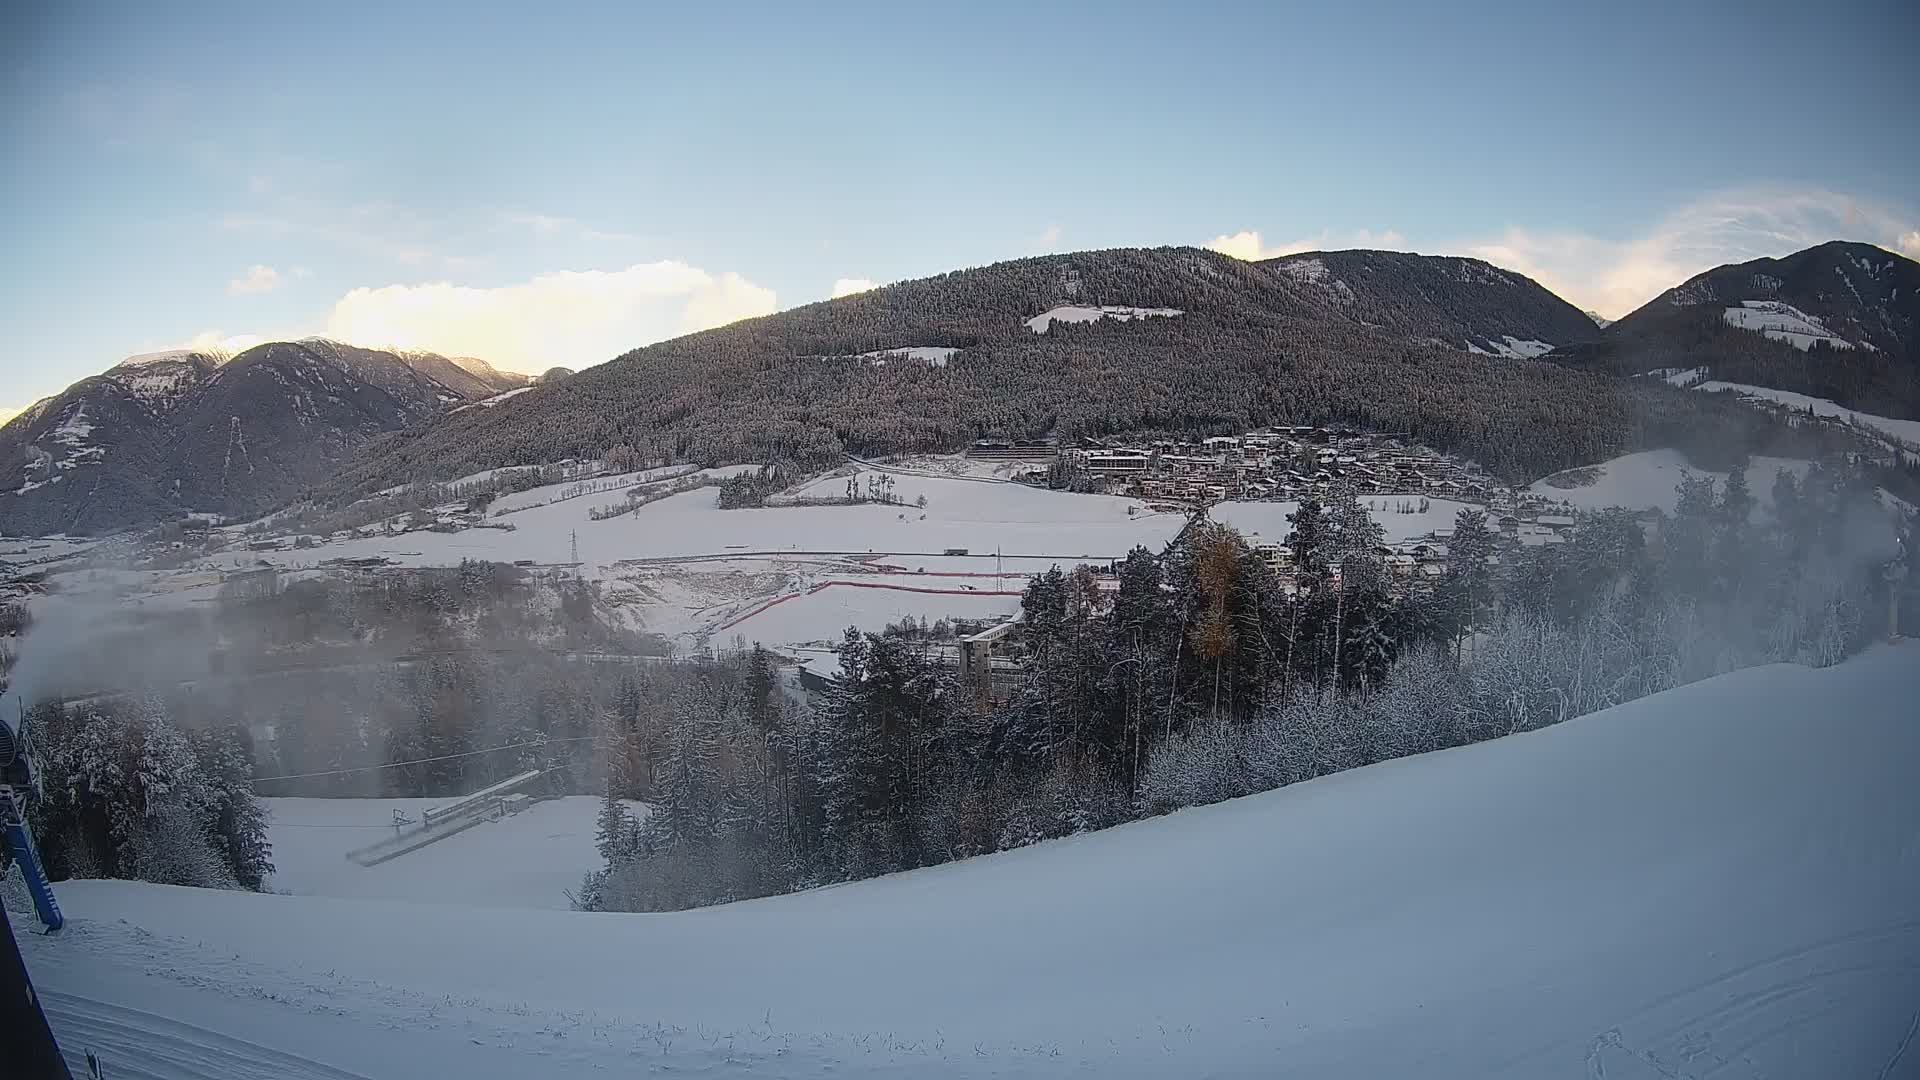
1447, 300
162, 434
1839, 320
1117, 343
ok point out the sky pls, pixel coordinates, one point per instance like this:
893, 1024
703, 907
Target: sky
556, 184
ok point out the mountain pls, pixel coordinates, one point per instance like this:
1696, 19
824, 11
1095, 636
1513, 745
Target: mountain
1840, 320
162, 434
1599, 320
1116, 343
1459, 303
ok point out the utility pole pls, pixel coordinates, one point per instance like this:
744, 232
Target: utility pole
576, 548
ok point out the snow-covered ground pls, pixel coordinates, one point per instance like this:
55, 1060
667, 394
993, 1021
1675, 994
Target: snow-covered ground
746, 557
529, 860
1716, 881
497, 399
1076, 314
1649, 479
930, 355
1906, 431
1512, 348
1399, 515
1783, 322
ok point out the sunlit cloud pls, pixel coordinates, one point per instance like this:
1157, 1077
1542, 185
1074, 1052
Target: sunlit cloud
850, 286
1050, 238
571, 318
257, 279
1613, 277
1248, 246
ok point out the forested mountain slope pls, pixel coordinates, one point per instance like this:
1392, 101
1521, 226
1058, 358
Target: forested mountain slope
166, 433
1251, 344
1463, 303
1840, 321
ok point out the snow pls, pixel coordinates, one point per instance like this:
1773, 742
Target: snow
1680, 377
1647, 481
551, 846
488, 403
1717, 880
930, 355
1267, 521
1512, 348
1906, 431
1075, 314
1782, 322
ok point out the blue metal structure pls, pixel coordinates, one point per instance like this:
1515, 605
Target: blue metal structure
17, 786
20, 842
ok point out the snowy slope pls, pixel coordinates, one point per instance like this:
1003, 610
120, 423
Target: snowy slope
1077, 314
1783, 322
1716, 881
1906, 431
551, 844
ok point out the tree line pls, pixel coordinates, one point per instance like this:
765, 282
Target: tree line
1204, 676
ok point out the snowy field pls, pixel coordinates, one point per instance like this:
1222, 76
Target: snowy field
529, 860
1716, 881
1648, 481
747, 557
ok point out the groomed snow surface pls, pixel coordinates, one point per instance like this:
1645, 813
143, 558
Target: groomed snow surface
1718, 881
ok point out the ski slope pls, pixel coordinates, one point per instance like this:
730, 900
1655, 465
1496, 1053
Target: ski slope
1718, 881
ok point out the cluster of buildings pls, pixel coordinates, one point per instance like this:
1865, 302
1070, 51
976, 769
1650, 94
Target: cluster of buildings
1276, 463
1283, 463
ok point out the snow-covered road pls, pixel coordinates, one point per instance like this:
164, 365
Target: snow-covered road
1720, 881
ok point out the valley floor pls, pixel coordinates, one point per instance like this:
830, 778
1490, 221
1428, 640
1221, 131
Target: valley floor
1718, 881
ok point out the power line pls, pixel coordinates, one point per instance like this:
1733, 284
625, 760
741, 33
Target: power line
424, 760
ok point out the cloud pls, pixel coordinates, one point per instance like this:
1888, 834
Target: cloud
1050, 238
1247, 245
1614, 277
257, 279
849, 286
575, 318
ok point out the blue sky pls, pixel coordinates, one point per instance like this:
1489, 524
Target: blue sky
554, 184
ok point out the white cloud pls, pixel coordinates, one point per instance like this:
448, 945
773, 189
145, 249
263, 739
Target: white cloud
1613, 277
257, 279
849, 286
1247, 245
1050, 238
575, 318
